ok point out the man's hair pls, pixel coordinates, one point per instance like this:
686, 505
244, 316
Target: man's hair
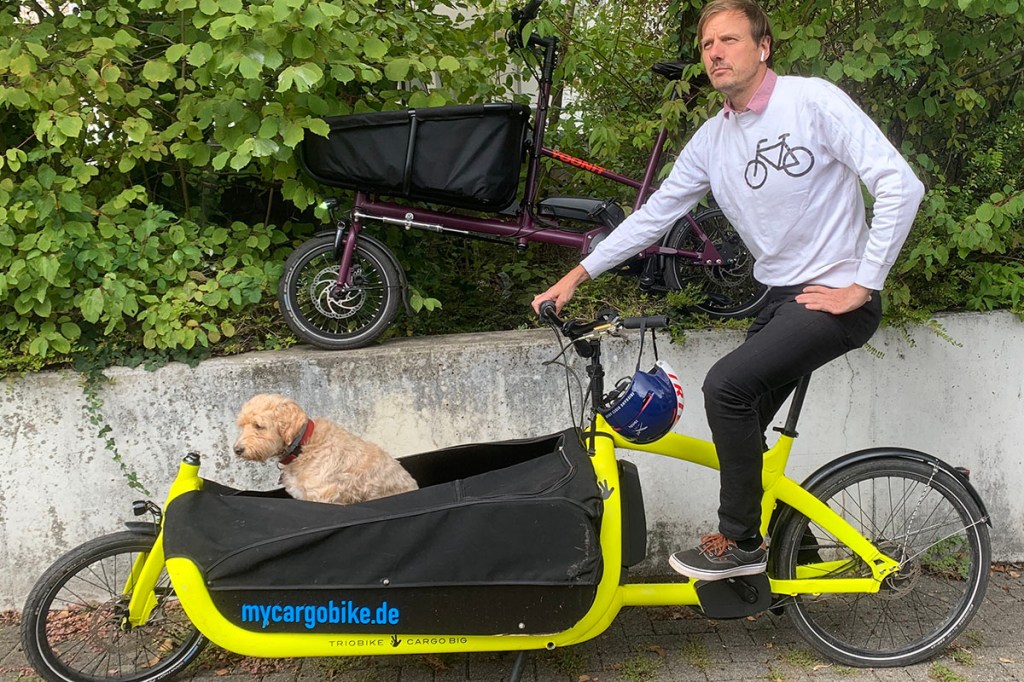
760, 27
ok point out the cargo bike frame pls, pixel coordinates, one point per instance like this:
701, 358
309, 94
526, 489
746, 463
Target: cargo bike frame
881, 558
343, 290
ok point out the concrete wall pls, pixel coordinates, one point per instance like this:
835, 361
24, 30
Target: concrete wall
60, 487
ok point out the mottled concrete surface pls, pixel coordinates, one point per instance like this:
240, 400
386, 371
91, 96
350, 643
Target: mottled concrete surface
62, 485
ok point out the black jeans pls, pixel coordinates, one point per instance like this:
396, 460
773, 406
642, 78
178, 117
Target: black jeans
745, 389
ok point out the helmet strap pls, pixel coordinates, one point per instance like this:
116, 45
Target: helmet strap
640, 355
654, 342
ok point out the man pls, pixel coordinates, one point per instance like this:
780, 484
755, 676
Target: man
785, 159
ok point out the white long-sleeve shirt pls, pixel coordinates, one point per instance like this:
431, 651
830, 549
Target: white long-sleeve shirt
785, 174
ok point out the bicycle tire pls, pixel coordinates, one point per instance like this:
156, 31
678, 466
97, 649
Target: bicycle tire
71, 624
805, 167
915, 513
730, 290
324, 316
756, 174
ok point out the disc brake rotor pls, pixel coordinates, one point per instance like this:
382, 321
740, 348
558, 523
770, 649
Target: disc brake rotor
333, 301
734, 261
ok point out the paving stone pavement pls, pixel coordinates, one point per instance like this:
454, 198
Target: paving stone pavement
642, 645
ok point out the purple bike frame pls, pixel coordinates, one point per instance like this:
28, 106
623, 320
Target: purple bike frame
522, 227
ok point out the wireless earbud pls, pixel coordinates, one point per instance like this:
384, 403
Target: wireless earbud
762, 55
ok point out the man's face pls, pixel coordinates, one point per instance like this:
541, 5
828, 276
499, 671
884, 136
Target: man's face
732, 57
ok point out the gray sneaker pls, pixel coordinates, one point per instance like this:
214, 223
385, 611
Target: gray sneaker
717, 557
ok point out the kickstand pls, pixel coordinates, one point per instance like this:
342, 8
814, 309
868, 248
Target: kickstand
517, 667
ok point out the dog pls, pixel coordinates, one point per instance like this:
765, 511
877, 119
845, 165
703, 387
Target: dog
319, 460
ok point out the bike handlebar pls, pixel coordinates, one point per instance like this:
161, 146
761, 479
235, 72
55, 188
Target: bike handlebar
607, 322
527, 14
521, 17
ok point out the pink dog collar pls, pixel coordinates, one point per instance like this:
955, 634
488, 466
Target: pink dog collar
296, 447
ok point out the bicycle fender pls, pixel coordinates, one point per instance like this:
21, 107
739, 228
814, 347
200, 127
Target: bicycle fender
147, 527
339, 243
871, 454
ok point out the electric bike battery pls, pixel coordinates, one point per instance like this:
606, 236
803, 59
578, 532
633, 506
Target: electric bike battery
501, 538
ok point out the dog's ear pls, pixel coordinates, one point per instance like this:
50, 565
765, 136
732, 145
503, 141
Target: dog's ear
291, 420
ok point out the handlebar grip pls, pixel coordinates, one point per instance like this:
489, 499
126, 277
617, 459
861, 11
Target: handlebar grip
529, 13
548, 314
650, 322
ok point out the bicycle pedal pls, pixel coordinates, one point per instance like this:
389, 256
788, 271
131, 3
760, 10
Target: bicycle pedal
734, 597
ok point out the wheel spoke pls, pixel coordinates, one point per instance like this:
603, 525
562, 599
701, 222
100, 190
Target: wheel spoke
917, 515
729, 288
334, 315
74, 616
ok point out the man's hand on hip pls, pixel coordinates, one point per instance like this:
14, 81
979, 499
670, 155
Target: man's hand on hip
835, 301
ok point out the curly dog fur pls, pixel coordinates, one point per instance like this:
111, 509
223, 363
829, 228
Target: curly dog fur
333, 466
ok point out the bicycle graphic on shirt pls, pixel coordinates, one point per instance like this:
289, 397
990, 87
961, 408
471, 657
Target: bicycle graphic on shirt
795, 161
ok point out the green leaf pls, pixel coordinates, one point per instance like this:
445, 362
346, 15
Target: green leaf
136, 129
302, 46
249, 67
37, 50
221, 28
984, 213
91, 305
449, 63
342, 73
318, 126
374, 48
303, 77
281, 10
398, 69
38, 346
157, 71
176, 52
71, 126
70, 330
200, 54
262, 147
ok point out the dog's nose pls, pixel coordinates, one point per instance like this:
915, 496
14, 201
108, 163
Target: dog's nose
239, 450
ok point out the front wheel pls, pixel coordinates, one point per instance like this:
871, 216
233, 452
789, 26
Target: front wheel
729, 289
918, 515
73, 626
333, 316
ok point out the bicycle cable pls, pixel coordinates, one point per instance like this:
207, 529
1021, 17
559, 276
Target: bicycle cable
577, 424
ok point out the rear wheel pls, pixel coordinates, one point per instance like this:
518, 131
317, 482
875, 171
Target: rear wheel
335, 317
916, 514
73, 626
729, 289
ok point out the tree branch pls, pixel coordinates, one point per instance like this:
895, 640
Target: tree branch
989, 67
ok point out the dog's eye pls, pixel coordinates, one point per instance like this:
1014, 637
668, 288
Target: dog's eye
258, 426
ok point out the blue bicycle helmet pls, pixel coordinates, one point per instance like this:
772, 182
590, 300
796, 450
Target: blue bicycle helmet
646, 406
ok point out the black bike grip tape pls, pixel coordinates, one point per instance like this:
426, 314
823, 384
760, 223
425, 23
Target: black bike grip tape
650, 322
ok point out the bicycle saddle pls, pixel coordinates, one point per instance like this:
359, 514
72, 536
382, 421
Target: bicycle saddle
670, 70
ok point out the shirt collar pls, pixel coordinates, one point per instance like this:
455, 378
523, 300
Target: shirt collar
759, 102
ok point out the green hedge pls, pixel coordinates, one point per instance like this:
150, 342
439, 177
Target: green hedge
149, 191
